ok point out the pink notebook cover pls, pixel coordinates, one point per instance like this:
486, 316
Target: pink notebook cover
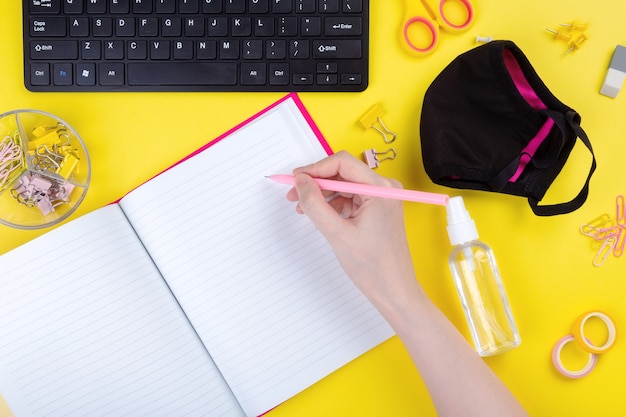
291, 96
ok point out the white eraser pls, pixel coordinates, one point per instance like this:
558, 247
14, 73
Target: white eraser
612, 82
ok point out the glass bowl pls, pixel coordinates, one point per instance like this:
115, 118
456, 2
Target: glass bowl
44, 169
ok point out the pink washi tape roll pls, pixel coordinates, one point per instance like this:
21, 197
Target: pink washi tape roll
558, 363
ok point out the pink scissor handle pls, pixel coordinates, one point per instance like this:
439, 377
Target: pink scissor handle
432, 28
450, 25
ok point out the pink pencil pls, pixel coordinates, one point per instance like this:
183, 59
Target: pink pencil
371, 190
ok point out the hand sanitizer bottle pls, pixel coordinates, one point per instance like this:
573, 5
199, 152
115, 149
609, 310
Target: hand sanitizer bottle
479, 285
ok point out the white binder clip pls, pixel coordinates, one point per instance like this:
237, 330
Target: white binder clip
373, 158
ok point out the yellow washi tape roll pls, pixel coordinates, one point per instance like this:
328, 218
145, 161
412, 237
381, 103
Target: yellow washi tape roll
584, 342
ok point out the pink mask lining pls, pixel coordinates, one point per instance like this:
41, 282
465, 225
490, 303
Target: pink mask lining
527, 92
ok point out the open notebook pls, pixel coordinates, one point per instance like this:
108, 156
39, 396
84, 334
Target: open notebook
201, 292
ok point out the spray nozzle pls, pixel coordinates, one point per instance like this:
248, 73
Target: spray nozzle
461, 226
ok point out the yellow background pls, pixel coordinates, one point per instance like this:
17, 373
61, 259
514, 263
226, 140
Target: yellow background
546, 264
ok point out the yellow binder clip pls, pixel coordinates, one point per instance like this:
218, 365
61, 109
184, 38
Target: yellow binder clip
373, 119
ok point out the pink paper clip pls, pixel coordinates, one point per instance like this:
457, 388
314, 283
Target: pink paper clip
620, 216
618, 249
604, 252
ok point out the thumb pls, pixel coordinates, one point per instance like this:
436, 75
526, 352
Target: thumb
313, 204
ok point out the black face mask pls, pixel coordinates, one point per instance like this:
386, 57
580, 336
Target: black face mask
489, 123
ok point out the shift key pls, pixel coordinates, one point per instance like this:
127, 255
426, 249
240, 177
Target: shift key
337, 49
53, 49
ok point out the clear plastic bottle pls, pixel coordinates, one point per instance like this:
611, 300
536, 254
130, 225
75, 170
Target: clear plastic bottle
479, 285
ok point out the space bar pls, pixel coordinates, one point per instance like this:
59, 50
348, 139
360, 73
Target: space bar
182, 73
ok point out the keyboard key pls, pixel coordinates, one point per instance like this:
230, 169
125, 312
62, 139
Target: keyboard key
96, 6
119, 6
327, 68
53, 50
142, 6
253, 49
48, 26
182, 73
327, 79
194, 26
183, 49
40, 74
212, 6
279, 74
114, 50
329, 6
148, 27
302, 79
259, 6
44, 6
253, 74
188, 6
229, 49
171, 26
299, 49
343, 26
79, 27
263, 26
305, 6
334, 49
276, 49
235, 6
137, 50
311, 26
160, 50
206, 50
125, 27
90, 50
111, 74
352, 6
281, 6
166, 6
86, 74
72, 6
350, 79
102, 27
62, 74
288, 26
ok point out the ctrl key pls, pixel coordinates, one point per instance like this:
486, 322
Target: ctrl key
39, 74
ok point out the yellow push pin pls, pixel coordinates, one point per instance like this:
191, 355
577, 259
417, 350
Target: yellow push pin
560, 35
575, 26
576, 43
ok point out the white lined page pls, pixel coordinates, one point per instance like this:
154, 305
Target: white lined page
260, 285
89, 327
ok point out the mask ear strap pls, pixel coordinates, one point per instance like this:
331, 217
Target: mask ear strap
564, 208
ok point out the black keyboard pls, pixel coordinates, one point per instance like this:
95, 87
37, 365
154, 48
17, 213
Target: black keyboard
196, 45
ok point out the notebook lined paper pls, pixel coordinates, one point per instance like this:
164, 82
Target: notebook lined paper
258, 282
92, 324
89, 328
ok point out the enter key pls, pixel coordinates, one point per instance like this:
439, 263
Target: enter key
343, 26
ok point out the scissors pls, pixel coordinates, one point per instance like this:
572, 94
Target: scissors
431, 14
